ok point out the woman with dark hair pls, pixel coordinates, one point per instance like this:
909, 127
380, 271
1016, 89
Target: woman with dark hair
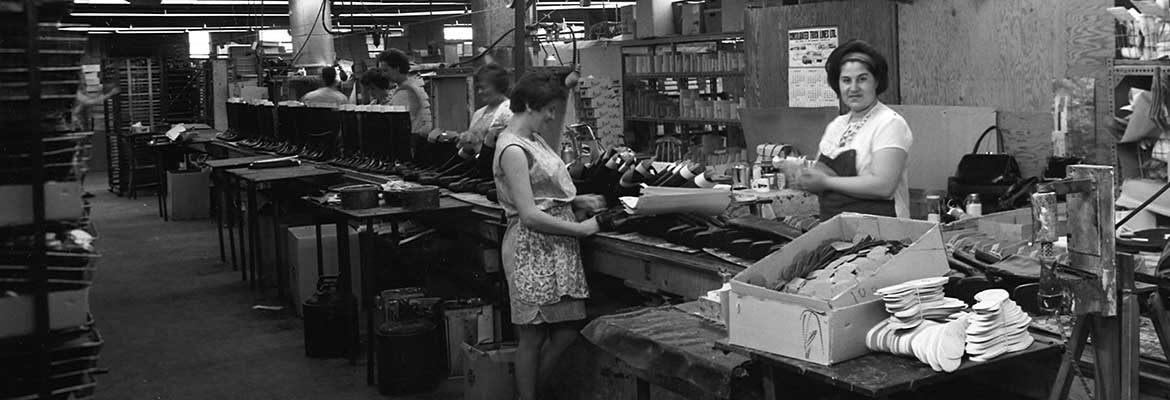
862, 155
375, 86
492, 83
541, 253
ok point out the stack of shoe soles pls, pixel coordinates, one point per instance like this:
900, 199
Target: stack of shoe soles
919, 325
938, 344
836, 266
940, 336
997, 326
750, 238
913, 302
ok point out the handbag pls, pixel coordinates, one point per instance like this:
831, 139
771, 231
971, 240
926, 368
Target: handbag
988, 175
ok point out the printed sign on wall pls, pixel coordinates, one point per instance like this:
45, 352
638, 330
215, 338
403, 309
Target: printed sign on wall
807, 51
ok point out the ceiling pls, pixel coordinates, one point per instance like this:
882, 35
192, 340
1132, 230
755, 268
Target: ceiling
246, 14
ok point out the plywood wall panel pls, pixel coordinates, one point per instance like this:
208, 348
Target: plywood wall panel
1026, 136
942, 135
1000, 54
765, 31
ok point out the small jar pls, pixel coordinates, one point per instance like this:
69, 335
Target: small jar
934, 208
973, 207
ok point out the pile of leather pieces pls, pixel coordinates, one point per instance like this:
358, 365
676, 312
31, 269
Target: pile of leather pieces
980, 261
836, 266
749, 237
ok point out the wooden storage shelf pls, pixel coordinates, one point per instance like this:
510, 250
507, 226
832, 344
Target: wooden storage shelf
684, 75
706, 37
684, 121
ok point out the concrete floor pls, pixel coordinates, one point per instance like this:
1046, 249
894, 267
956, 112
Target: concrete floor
179, 324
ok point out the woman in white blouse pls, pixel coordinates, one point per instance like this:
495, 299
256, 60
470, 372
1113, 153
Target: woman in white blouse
862, 156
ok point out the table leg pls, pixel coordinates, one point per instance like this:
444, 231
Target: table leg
343, 267
1107, 356
1161, 320
1074, 347
768, 378
238, 219
254, 238
158, 174
320, 252
277, 259
217, 207
367, 290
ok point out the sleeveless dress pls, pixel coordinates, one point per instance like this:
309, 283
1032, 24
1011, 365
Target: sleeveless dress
546, 278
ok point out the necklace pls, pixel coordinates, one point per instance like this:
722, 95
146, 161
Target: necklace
853, 127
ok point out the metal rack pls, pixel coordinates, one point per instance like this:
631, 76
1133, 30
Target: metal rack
41, 361
1119, 70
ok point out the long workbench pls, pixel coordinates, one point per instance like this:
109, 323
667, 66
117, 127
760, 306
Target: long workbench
641, 266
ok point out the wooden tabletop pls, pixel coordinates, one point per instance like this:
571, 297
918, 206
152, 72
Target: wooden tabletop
446, 204
881, 374
283, 173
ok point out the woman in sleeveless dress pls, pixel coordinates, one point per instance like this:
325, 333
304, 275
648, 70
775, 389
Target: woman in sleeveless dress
541, 252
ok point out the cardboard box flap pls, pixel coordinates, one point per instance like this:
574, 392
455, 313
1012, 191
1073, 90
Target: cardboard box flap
923, 257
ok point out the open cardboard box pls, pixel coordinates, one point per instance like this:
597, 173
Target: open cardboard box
833, 330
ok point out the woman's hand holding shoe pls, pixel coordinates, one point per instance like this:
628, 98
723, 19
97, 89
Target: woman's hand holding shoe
610, 220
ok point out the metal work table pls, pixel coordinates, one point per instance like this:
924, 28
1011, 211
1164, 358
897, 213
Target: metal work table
254, 180
874, 375
368, 217
224, 200
700, 363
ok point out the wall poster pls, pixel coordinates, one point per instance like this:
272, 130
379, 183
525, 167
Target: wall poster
807, 50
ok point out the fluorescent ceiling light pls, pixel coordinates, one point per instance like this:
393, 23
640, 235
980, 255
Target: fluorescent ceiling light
158, 28
403, 14
170, 32
100, 2
285, 2
178, 15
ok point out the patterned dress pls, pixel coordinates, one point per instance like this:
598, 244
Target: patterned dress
546, 278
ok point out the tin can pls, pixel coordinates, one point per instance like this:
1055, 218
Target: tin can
740, 176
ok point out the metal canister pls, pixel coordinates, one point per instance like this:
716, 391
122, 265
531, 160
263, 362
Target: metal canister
740, 175
973, 207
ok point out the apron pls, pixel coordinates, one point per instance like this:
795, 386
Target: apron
544, 268
833, 203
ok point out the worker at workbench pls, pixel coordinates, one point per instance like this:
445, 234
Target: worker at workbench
328, 95
408, 93
541, 250
492, 83
862, 156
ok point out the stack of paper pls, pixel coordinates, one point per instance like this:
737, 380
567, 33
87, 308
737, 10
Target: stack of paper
666, 200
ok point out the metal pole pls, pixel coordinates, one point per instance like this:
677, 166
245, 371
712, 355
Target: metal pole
38, 271
519, 36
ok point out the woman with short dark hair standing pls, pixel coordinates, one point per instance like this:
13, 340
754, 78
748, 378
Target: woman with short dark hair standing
541, 252
862, 156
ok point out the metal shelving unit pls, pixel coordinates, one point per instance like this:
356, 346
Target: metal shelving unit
42, 360
682, 87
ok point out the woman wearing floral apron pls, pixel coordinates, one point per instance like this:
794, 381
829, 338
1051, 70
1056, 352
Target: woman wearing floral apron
541, 252
862, 163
